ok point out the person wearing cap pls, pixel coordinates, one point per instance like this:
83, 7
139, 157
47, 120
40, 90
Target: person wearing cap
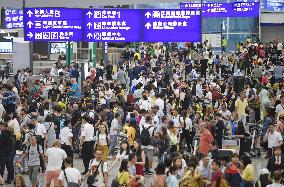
263, 178
273, 138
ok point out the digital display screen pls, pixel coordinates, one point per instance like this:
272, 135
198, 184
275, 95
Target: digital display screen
57, 47
273, 5
6, 47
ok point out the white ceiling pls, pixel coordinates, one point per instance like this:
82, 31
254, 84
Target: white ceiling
76, 3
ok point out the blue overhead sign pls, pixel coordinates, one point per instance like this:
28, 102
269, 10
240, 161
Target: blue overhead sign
112, 25
13, 18
172, 25
120, 25
53, 24
237, 9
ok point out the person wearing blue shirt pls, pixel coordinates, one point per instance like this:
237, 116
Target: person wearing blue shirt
9, 100
172, 178
74, 89
74, 73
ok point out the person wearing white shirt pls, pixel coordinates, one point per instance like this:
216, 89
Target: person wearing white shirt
159, 102
208, 96
66, 138
280, 107
86, 142
186, 122
273, 138
199, 91
54, 157
145, 103
113, 133
69, 174
40, 131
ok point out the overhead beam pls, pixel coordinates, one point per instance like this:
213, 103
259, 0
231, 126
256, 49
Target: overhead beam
77, 3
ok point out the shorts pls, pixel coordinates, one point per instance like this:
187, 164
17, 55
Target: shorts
52, 175
33, 173
149, 153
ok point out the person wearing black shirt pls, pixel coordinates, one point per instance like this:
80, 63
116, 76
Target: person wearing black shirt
220, 126
58, 119
5, 150
109, 68
54, 92
276, 162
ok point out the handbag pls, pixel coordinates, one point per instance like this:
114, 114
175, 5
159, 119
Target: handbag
70, 184
115, 182
91, 178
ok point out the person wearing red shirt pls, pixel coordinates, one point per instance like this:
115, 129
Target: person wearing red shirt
206, 139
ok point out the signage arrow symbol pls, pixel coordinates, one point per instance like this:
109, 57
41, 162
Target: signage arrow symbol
30, 35
148, 14
30, 13
148, 25
90, 36
89, 25
30, 24
89, 14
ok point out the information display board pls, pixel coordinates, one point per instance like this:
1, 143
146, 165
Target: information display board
53, 24
13, 18
172, 25
237, 9
112, 25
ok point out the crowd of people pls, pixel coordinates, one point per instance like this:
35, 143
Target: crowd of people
161, 110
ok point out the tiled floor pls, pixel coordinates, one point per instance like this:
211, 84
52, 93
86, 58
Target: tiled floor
258, 163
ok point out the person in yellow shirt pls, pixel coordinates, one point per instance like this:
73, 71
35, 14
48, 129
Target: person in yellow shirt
123, 176
192, 177
248, 172
241, 105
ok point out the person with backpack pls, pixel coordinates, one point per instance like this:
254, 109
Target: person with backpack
146, 133
97, 175
40, 132
69, 176
33, 152
102, 140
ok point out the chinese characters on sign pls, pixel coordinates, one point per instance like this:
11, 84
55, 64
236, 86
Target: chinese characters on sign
113, 25
174, 25
225, 9
14, 18
47, 24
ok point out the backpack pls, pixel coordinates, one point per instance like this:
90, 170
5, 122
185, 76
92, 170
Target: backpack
37, 148
145, 136
215, 93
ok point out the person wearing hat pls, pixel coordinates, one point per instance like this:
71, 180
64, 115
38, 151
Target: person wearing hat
263, 178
